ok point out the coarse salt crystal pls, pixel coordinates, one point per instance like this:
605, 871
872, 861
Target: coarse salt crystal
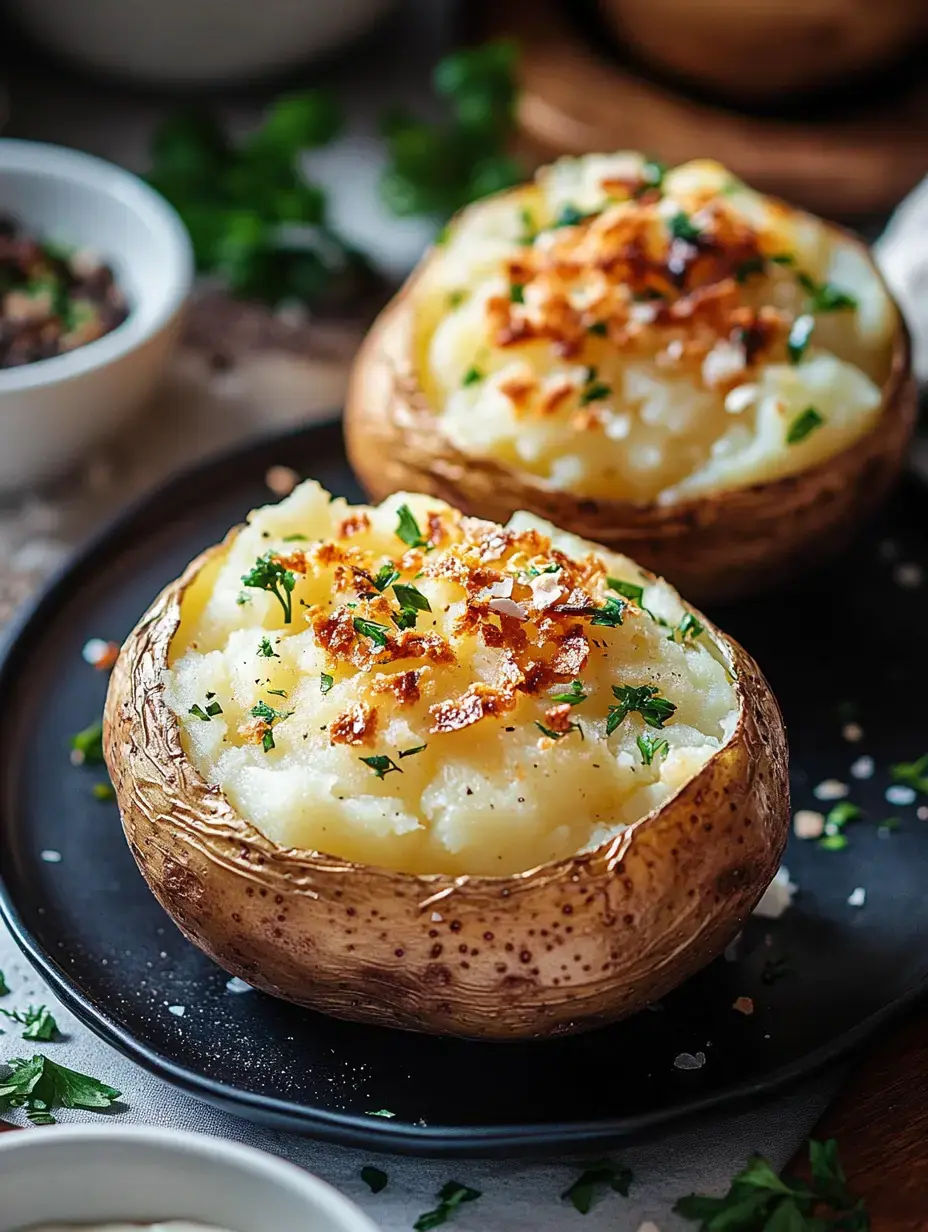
808, 824
909, 576
830, 789
437, 917
689, 1060
740, 398
51, 857
857, 897
900, 794
723, 362
508, 607
777, 897
546, 589
863, 768
743, 1005
177, 1010
853, 733
501, 589
617, 427
922, 812
236, 985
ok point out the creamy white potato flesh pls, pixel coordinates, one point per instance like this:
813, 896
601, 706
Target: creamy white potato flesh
625, 333
447, 695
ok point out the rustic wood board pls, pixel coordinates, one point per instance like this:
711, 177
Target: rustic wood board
855, 164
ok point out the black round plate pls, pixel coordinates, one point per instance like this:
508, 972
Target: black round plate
846, 644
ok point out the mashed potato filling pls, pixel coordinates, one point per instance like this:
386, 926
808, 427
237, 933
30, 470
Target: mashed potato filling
626, 332
410, 688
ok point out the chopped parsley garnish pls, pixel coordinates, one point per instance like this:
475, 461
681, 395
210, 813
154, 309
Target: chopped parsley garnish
471, 377
269, 574
605, 1173
266, 650
89, 744
374, 1178
627, 589
381, 766
889, 826
833, 842
799, 336
412, 752
386, 575
912, 773
782, 258
556, 735
277, 692
40, 1085
451, 1195
4, 987
456, 298
517, 293
574, 695
325, 682
759, 1198
569, 216
599, 329
261, 710
295, 539
610, 613
594, 390
382, 1112
212, 709
529, 230
103, 791
689, 627
682, 228
840, 814
651, 746
645, 700
825, 296
405, 618
411, 596
753, 265
379, 634
804, 423
652, 175
407, 529
37, 1022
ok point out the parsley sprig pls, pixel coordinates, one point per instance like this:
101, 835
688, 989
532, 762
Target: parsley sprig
651, 746
379, 634
268, 573
40, 1085
643, 699
266, 650
267, 714
603, 1173
451, 1195
37, 1021
572, 696
759, 1199
825, 296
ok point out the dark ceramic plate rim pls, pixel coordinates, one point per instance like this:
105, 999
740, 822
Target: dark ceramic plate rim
135, 522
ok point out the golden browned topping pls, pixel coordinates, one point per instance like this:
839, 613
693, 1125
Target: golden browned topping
404, 686
357, 524
358, 725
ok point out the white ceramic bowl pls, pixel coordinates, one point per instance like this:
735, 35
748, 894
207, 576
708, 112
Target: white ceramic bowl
97, 1174
53, 410
194, 42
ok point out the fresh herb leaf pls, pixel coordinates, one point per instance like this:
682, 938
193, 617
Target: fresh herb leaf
803, 424
569, 216
412, 752
268, 573
451, 1195
277, 692
556, 735
574, 695
103, 791
381, 766
833, 842
610, 614
199, 713
782, 258
689, 627
4, 987
266, 650
267, 714
627, 589
644, 700
841, 813
89, 744
410, 596
456, 298
682, 228
651, 746
379, 634
405, 618
325, 682
40, 1085
37, 1021
471, 377
753, 265
529, 230
602, 1173
374, 1178
407, 529
382, 1112
385, 576
912, 773
652, 174
799, 336
599, 329
294, 539
594, 390
825, 296
517, 293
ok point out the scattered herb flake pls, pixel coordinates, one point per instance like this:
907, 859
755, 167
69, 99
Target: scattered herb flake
599, 329
386, 575
379, 634
753, 265
294, 539
555, 735
471, 377
651, 746
277, 692
912, 773
573, 696
652, 174
103, 791
4, 987
266, 650
833, 842
407, 529
803, 424
451, 1195
381, 766
645, 700
569, 216
689, 627
88, 744
374, 1178
40, 1085
825, 296
627, 589
610, 614
325, 682
198, 713
799, 336
602, 1173
841, 813
412, 752
38, 1023
410, 596
782, 258
269, 574
517, 293
682, 228
382, 1112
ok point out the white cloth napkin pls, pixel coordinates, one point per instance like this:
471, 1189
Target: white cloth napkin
518, 1195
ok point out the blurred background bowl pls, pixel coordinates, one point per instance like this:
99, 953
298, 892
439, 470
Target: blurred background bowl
53, 410
194, 42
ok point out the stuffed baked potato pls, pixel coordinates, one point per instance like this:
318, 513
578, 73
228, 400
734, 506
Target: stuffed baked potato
664, 362
417, 769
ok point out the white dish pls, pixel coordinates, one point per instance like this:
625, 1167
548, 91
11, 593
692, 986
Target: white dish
53, 410
82, 1174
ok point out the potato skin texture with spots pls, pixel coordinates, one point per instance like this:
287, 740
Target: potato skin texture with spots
564, 947
714, 548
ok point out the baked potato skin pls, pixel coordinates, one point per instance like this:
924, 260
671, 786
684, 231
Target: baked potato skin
559, 949
713, 548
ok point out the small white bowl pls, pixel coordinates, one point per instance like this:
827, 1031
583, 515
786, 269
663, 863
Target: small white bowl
53, 410
84, 1174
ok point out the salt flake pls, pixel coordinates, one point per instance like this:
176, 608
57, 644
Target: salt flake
51, 857
689, 1060
900, 794
808, 824
857, 897
830, 789
863, 768
178, 1010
